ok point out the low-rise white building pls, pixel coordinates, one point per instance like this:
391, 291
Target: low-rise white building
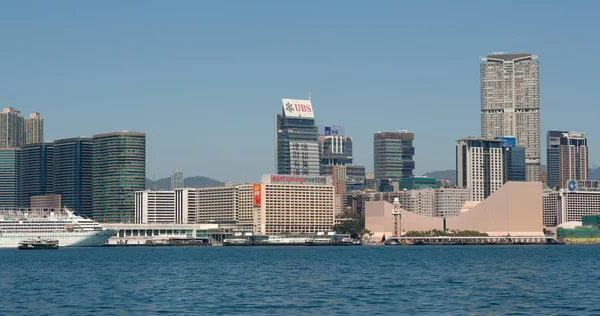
279, 204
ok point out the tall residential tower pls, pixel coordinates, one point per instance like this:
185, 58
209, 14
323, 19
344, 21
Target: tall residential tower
510, 103
12, 128
34, 129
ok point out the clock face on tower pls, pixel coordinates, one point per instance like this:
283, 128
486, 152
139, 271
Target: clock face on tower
572, 186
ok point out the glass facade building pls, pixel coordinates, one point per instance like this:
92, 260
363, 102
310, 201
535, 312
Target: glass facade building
73, 174
296, 146
393, 155
177, 180
514, 164
10, 181
418, 183
514, 160
37, 171
552, 157
119, 170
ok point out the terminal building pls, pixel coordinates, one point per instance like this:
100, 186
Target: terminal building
278, 204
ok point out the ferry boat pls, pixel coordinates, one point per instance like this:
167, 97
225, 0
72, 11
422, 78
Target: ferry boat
38, 244
69, 229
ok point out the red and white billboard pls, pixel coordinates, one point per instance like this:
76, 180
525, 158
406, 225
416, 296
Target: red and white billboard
256, 195
298, 108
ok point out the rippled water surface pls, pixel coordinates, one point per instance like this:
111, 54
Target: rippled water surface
477, 280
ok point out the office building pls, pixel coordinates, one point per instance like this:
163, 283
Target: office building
336, 150
48, 202
479, 166
12, 128
513, 159
510, 103
370, 180
296, 146
34, 129
552, 157
393, 157
573, 158
572, 203
418, 183
37, 171
119, 170
73, 174
177, 180
10, 180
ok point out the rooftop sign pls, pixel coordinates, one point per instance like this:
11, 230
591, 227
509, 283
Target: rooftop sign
289, 179
298, 108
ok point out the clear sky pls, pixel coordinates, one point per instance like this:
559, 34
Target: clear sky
204, 79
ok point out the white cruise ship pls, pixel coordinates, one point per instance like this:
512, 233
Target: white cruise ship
69, 229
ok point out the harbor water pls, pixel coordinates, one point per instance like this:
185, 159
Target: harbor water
426, 280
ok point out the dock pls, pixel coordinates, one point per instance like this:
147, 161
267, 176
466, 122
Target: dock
488, 240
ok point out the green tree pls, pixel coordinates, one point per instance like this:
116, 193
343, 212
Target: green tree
353, 225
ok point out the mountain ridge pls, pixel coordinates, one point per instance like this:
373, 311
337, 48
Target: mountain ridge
164, 184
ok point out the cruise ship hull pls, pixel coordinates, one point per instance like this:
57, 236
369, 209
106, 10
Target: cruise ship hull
65, 239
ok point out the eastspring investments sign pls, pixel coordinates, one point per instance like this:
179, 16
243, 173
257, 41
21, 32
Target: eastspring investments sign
291, 179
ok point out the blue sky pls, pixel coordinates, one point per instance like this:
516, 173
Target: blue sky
204, 79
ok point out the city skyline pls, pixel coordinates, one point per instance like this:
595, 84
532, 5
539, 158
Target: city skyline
367, 76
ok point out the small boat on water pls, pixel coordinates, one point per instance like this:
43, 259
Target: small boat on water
38, 244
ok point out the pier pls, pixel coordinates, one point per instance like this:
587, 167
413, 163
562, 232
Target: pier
488, 240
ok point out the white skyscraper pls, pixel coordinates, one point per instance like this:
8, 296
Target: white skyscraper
510, 103
34, 129
479, 166
12, 128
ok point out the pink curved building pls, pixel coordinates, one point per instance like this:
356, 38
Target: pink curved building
515, 210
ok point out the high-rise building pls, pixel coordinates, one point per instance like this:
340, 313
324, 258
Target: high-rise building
37, 171
393, 156
479, 166
514, 160
73, 174
34, 129
296, 147
119, 170
177, 180
10, 181
573, 158
510, 103
12, 128
552, 157
335, 150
